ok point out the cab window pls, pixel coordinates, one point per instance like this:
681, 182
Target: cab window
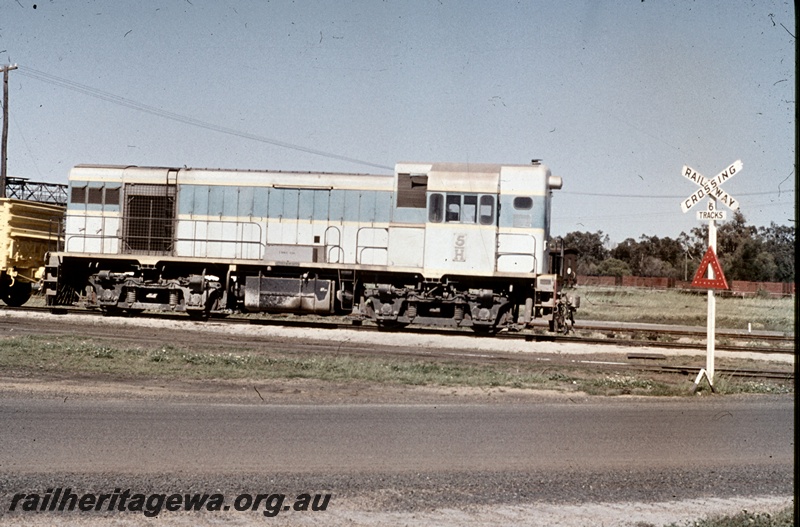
487, 210
453, 208
469, 211
436, 208
523, 203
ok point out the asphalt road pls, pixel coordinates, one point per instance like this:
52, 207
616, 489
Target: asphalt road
153, 436
751, 439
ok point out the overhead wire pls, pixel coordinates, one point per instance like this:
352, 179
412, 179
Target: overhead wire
152, 110
650, 196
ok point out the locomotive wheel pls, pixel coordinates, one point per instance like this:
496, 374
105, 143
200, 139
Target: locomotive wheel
198, 315
484, 330
389, 325
111, 311
17, 294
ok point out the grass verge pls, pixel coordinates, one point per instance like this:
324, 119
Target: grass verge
74, 356
783, 518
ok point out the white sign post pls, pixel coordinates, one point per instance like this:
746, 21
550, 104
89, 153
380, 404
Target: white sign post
713, 189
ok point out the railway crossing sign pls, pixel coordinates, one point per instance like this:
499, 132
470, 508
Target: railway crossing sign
712, 213
715, 280
710, 187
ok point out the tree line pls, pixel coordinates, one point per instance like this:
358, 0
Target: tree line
763, 254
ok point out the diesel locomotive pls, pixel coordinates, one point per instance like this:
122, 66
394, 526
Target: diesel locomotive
445, 244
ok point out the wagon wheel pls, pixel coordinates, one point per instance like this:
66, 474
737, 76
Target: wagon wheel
17, 294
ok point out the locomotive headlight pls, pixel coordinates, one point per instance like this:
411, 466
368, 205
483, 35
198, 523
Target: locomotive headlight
554, 182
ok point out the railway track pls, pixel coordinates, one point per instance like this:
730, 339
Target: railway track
602, 334
617, 335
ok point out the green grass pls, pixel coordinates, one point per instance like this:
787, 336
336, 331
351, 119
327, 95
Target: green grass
71, 356
683, 308
783, 518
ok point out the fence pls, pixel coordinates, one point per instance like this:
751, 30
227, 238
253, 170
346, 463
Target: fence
737, 287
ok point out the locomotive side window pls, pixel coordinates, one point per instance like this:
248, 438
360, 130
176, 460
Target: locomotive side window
436, 208
523, 203
112, 196
453, 208
95, 196
78, 195
470, 209
487, 210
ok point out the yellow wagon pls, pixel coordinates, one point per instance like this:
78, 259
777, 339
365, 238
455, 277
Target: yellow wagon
28, 230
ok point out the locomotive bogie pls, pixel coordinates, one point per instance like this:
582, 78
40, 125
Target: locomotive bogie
442, 244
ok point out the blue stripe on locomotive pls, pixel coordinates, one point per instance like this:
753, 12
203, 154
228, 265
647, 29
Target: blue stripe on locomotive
530, 218
368, 206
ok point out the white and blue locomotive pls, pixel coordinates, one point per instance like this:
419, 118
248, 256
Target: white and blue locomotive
435, 244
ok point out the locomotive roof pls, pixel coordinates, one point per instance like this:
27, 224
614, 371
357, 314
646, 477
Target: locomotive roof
471, 177
225, 170
206, 176
477, 177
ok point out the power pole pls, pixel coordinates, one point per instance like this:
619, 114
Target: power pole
3, 150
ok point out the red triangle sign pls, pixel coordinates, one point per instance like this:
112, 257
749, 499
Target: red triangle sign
718, 282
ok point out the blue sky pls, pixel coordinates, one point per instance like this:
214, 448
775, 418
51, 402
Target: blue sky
614, 96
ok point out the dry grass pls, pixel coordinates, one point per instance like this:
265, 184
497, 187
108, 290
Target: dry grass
71, 356
783, 518
683, 308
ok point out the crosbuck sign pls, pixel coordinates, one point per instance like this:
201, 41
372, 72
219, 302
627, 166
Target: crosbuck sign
711, 188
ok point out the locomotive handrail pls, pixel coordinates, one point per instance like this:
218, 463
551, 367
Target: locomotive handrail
75, 237
330, 248
361, 248
261, 246
55, 231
